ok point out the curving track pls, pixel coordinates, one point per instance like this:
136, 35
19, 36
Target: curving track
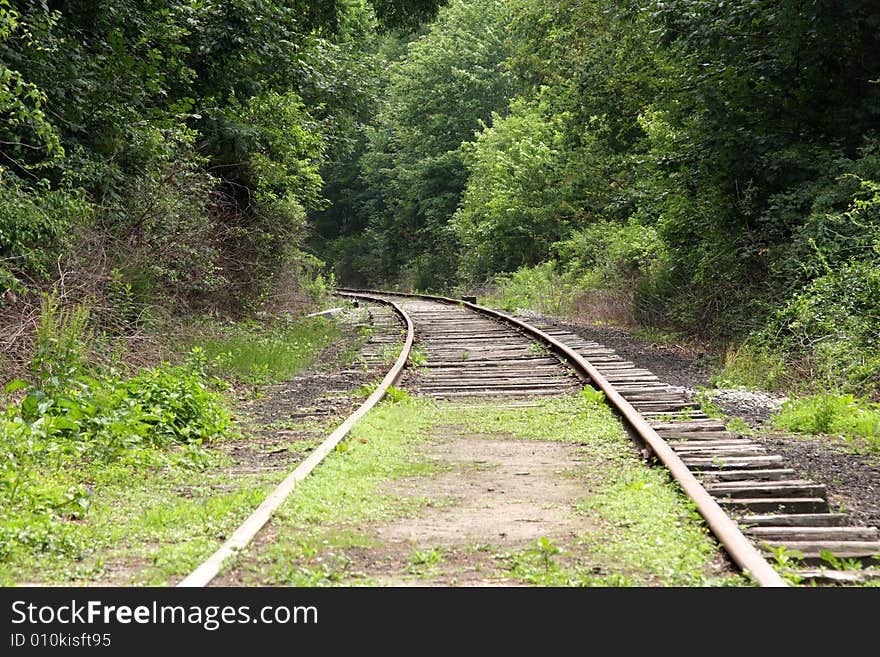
470, 355
750, 500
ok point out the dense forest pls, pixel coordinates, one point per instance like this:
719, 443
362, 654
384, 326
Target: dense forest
183, 181
707, 167
710, 167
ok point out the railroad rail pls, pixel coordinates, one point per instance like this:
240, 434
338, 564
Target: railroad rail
752, 503
205, 572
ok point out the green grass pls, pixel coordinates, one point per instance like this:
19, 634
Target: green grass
753, 366
857, 421
109, 479
538, 288
654, 335
145, 527
651, 531
319, 522
423, 563
63, 441
646, 531
267, 353
551, 420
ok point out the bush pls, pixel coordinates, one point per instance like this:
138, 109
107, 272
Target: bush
834, 324
755, 365
607, 255
35, 227
541, 288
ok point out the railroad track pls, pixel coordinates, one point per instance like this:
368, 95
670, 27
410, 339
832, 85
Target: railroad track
752, 502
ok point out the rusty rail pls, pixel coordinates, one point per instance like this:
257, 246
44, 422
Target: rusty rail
241, 537
728, 533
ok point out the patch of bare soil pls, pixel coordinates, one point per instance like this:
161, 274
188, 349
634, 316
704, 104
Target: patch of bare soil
280, 415
496, 495
851, 479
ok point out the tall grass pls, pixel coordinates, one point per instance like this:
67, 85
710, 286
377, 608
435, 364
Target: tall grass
856, 420
271, 353
539, 288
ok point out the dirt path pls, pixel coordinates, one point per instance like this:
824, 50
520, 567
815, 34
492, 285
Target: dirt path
495, 495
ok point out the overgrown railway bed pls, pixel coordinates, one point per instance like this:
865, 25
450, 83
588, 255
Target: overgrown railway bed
757, 507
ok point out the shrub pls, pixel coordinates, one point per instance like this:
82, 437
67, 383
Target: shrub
607, 255
540, 288
35, 227
834, 325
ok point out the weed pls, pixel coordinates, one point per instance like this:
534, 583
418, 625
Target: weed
592, 395
63, 339
392, 395
538, 288
739, 426
704, 398
391, 351
536, 348
545, 550
787, 561
259, 354
753, 366
397, 395
423, 561
785, 557
125, 312
52, 437
417, 358
840, 563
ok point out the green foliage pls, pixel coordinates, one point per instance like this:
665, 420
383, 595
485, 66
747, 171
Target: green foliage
405, 14
515, 206
541, 288
423, 561
834, 323
417, 358
536, 565
412, 173
609, 255
22, 104
857, 420
397, 395
284, 153
183, 144
50, 437
707, 405
593, 395
36, 224
788, 561
756, 365
838, 563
